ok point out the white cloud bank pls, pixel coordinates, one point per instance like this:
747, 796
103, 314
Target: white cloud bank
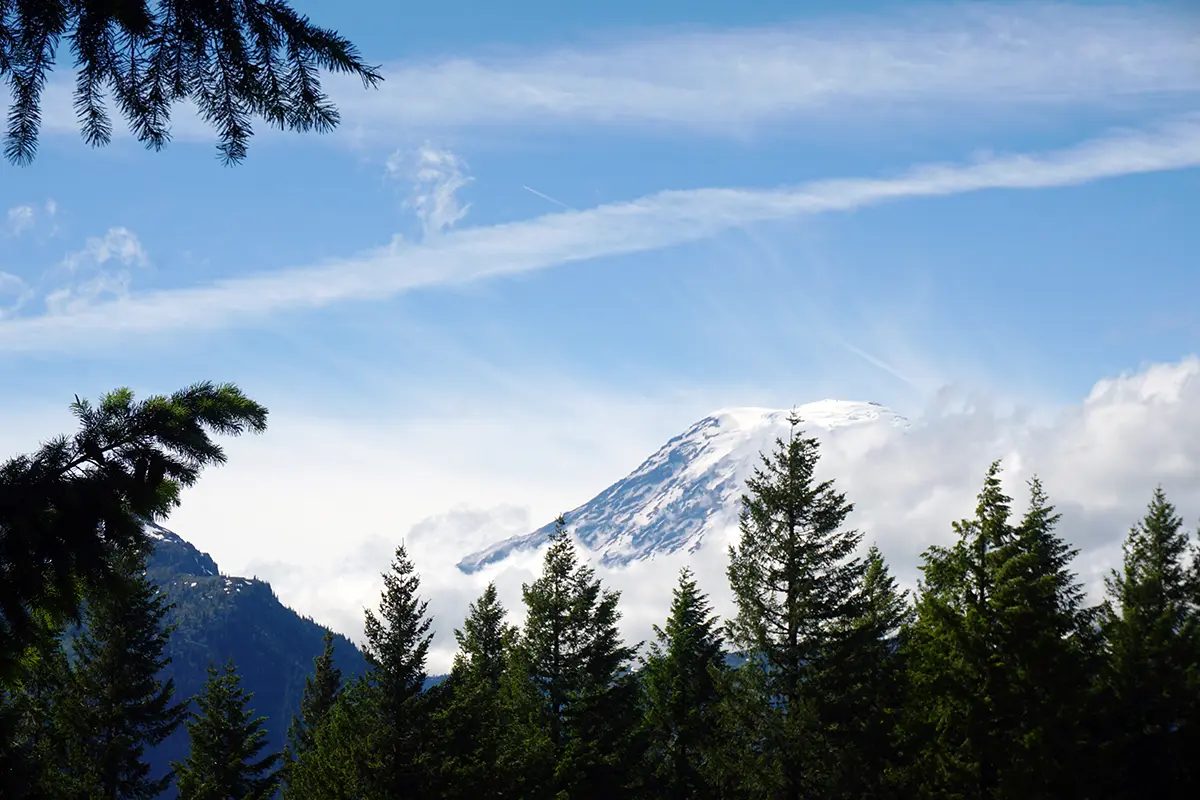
324, 528
651, 222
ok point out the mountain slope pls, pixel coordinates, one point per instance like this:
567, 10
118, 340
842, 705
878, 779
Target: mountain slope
688, 488
219, 617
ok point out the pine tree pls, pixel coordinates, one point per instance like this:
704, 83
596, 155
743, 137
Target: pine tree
484, 641
397, 644
320, 691
1051, 643
342, 761
33, 737
998, 657
472, 719
743, 764
1152, 638
225, 760
953, 657
118, 703
575, 660
868, 678
682, 680
795, 584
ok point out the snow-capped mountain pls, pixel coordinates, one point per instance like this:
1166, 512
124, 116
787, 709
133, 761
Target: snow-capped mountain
690, 487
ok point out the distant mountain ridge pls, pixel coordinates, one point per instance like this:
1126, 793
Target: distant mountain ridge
690, 487
219, 617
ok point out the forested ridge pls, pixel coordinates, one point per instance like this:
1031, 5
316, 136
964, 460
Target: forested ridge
996, 678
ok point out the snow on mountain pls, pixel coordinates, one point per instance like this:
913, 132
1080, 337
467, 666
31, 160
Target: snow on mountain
690, 487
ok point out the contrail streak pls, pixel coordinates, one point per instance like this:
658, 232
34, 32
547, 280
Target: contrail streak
546, 197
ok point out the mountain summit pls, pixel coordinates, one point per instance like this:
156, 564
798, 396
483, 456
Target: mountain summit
688, 488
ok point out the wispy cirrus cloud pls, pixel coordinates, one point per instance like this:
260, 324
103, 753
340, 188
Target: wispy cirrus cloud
935, 58
14, 293
23, 218
436, 175
654, 221
99, 271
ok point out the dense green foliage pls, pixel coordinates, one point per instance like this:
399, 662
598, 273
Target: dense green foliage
226, 758
682, 688
397, 644
996, 681
999, 658
235, 59
472, 717
32, 745
797, 587
320, 691
117, 705
1151, 680
571, 656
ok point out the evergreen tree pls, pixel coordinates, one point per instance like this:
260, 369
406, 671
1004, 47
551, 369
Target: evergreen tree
1152, 639
118, 703
682, 679
484, 641
526, 747
868, 677
397, 644
236, 59
795, 584
320, 691
227, 740
33, 739
998, 657
743, 764
472, 719
575, 660
68, 511
1052, 647
342, 761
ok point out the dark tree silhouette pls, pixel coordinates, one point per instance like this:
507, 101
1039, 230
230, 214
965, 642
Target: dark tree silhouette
235, 59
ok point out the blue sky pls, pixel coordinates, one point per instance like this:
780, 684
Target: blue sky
551, 239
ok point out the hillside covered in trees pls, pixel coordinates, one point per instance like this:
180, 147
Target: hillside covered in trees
215, 618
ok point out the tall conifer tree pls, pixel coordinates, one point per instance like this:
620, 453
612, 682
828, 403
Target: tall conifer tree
682, 680
320, 692
863, 728
342, 762
795, 584
998, 657
227, 740
1152, 638
1052, 647
574, 658
396, 647
118, 702
34, 742
473, 717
